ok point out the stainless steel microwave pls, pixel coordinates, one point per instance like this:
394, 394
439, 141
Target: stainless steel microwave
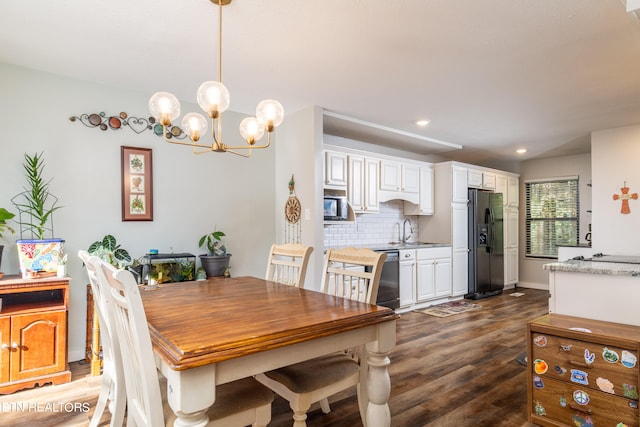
336, 208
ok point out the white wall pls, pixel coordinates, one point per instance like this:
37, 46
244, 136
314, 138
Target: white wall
298, 150
615, 157
192, 193
531, 272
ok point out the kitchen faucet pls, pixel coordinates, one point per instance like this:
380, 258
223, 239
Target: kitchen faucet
404, 230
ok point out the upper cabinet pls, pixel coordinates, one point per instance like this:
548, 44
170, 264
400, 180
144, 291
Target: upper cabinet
480, 179
369, 179
396, 176
335, 170
362, 191
459, 177
426, 203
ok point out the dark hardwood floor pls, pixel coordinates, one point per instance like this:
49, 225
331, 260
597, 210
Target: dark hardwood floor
454, 371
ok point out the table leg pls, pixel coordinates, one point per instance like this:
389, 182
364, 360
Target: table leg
375, 384
190, 394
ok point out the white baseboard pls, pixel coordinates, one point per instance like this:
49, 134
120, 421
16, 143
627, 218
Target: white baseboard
530, 285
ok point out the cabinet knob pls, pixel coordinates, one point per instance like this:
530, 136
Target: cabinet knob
5, 347
407, 255
14, 345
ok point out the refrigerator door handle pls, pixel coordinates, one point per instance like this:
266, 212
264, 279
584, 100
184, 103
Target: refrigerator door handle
492, 229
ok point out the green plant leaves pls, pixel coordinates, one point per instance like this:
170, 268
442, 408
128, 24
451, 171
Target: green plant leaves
109, 243
108, 250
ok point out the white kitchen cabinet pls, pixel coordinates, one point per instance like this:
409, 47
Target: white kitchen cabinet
390, 179
474, 178
426, 205
410, 178
460, 249
511, 229
335, 170
433, 273
501, 187
459, 176
488, 181
407, 277
396, 176
511, 245
511, 266
513, 191
480, 179
363, 184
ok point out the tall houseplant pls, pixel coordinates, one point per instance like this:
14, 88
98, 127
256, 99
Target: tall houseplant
216, 261
36, 205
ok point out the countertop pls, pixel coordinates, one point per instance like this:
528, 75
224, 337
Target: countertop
399, 246
591, 267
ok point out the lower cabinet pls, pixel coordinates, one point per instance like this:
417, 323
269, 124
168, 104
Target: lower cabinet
33, 333
407, 277
583, 372
433, 272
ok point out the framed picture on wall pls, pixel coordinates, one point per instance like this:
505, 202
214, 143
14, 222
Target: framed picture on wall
137, 185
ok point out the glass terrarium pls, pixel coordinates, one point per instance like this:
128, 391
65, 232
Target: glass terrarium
166, 268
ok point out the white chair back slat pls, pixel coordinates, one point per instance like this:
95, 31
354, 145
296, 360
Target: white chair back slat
353, 273
288, 263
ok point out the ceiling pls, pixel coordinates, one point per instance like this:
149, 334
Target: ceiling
491, 75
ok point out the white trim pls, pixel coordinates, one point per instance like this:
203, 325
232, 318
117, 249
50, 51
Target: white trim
388, 129
530, 285
555, 179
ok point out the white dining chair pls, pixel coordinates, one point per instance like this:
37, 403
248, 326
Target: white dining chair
348, 273
239, 403
288, 263
112, 389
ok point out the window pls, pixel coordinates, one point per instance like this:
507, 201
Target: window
552, 215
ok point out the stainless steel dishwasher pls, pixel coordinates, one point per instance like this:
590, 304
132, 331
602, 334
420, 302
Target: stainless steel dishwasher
389, 288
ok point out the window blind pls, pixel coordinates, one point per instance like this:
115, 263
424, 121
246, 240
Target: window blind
552, 215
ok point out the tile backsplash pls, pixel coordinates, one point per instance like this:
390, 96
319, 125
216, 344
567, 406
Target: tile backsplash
372, 228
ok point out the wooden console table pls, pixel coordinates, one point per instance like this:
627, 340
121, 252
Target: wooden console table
33, 332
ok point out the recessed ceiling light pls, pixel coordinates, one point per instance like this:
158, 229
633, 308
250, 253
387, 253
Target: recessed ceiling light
423, 123
521, 150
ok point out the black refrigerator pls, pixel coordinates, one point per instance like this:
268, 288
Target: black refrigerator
486, 244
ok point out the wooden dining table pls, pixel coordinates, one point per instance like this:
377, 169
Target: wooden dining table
211, 332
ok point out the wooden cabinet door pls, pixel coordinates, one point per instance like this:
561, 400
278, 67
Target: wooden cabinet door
407, 276
410, 178
426, 191
442, 274
390, 176
335, 173
426, 286
356, 184
42, 344
459, 177
5, 351
370, 188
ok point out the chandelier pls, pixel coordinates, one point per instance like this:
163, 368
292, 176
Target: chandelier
213, 98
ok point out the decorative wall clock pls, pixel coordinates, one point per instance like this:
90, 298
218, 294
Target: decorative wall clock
292, 211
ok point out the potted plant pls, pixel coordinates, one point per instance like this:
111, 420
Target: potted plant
110, 251
36, 206
216, 261
5, 216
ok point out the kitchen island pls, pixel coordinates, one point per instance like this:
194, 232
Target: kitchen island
599, 290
